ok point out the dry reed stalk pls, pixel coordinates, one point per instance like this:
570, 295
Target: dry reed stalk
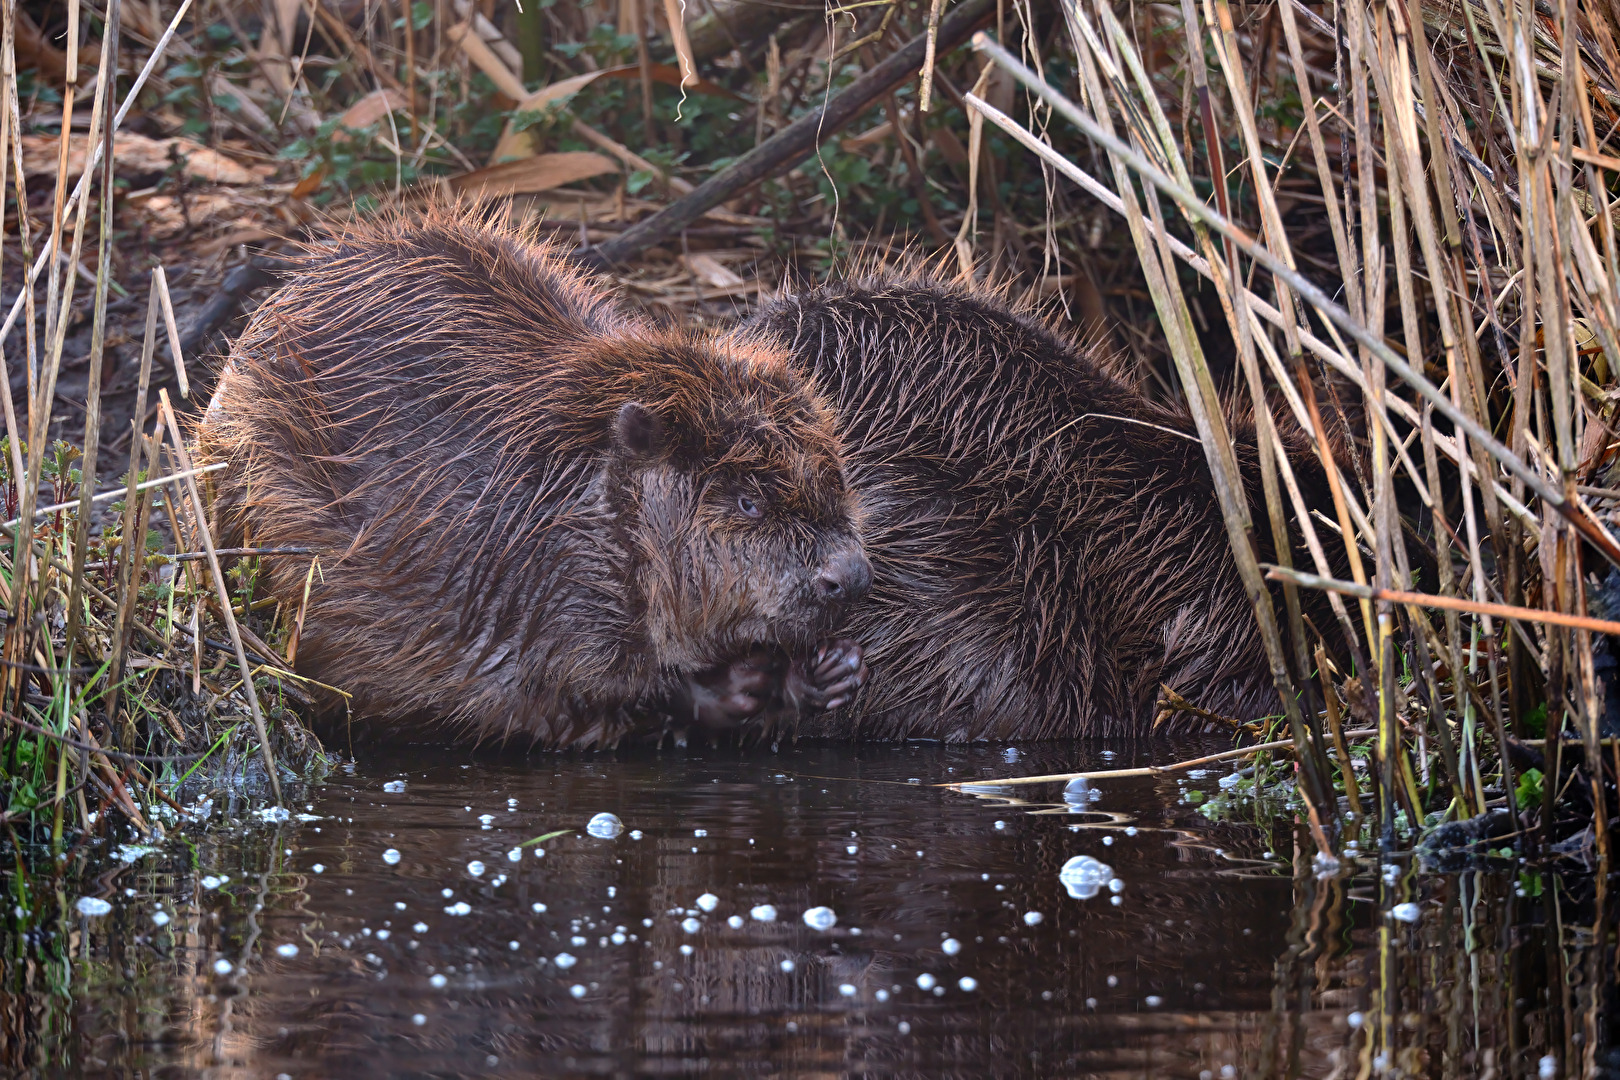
223, 592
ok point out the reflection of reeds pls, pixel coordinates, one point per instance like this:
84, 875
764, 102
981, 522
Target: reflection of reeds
114, 689
1411, 206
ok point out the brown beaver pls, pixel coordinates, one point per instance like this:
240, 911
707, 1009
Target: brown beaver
541, 517
1046, 544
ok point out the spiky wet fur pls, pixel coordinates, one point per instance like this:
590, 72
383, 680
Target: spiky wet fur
439, 408
1041, 563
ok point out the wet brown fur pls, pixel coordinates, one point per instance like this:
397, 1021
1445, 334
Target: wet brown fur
441, 408
1044, 554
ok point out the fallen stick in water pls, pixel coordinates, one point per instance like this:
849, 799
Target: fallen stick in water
1146, 770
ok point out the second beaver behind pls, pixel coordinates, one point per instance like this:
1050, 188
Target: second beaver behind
1046, 543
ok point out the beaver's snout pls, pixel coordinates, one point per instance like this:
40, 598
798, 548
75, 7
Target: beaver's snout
845, 578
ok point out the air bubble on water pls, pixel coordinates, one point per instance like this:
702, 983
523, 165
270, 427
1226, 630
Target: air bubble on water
605, 826
1001, 824
437, 982
1355, 1020
223, 966
515, 855
1130, 830
420, 928
1407, 913
460, 907
577, 990
686, 950
92, 905
851, 849
691, 926
273, 815
288, 949
418, 1019
968, 983
735, 922
846, 989
950, 946
926, 981
212, 882
394, 787
447, 893
635, 834
1113, 981
820, 918
1079, 792
1108, 841
763, 913
1115, 885
700, 832
1033, 918
1547, 1067
1153, 1001
1010, 754
391, 857
160, 918
618, 938
538, 908
475, 868
787, 965
564, 960
708, 901
903, 1028
1084, 876
881, 995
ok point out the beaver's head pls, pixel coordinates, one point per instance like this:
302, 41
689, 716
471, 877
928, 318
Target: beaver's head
726, 479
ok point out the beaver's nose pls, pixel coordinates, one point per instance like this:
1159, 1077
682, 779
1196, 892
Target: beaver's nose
847, 576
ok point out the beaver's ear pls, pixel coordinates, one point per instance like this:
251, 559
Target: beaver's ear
637, 430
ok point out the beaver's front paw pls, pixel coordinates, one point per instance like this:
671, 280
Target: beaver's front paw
828, 677
736, 692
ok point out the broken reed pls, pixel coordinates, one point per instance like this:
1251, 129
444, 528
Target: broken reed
86, 725
1409, 202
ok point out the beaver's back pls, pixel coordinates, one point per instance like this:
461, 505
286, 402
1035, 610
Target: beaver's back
1046, 544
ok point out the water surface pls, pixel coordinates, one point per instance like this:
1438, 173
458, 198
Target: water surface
397, 926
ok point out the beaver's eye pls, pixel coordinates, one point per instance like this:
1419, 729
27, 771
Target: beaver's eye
748, 506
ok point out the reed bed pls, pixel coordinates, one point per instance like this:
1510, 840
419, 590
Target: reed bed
134, 686
1465, 313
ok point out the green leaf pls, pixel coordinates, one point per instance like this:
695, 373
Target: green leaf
1529, 791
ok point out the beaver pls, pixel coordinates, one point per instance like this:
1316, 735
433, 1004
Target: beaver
1046, 543
541, 517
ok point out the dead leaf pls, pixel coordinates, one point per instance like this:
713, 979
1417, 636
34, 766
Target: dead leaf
368, 110
712, 272
136, 154
532, 174
167, 217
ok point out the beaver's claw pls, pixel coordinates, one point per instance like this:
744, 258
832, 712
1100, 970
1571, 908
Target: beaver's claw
828, 677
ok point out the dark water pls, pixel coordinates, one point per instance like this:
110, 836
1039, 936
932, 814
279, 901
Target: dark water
299, 948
